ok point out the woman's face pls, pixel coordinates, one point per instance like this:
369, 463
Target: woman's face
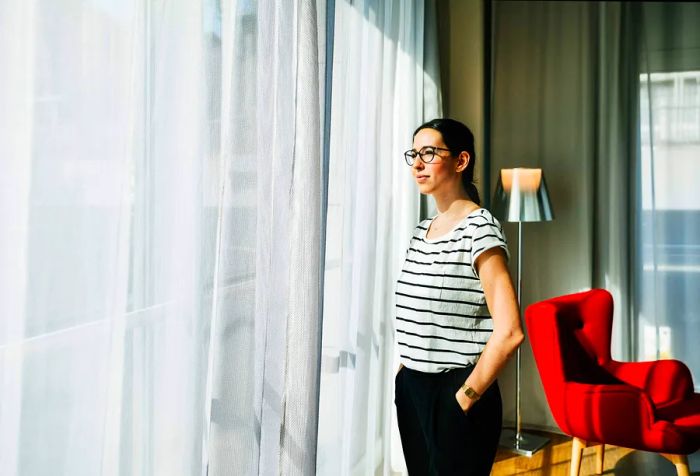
438, 174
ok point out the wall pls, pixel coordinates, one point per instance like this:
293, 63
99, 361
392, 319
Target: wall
461, 31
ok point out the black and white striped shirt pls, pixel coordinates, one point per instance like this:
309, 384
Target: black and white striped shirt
442, 321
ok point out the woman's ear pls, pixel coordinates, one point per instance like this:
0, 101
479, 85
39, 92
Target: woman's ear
463, 158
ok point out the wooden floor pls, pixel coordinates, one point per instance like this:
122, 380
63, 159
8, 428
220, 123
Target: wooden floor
554, 460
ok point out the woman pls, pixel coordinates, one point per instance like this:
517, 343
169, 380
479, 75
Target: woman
457, 318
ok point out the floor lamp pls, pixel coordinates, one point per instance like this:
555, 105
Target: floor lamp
521, 196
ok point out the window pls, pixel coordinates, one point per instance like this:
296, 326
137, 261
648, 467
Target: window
668, 285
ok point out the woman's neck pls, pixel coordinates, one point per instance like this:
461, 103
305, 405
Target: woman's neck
457, 207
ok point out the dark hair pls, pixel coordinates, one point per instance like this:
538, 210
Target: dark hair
457, 138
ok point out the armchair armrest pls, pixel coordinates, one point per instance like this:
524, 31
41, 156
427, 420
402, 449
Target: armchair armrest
664, 381
617, 414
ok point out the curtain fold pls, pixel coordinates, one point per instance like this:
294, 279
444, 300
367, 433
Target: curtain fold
615, 166
16, 84
303, 353
385, 83
267, 331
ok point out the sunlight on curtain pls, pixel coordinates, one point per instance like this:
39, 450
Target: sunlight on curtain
160, 201
267, 332
385, 83
107, 292
669, 201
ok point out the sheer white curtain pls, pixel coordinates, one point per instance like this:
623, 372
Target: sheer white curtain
668, 268
106, 275
385, 83
160, 208
266, 357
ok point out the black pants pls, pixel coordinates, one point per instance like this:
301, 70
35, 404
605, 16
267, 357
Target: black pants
437, 437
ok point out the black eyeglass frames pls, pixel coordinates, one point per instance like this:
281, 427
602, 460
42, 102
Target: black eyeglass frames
427, 154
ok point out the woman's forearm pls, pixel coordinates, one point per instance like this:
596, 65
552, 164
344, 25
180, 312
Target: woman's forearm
498, 350
507, 331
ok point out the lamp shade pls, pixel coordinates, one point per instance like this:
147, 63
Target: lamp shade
521, 196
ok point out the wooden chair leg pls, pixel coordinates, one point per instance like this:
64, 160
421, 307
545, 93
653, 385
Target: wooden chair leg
577, 447
680, 462
599, 456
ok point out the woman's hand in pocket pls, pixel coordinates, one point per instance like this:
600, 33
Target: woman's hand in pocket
464, 402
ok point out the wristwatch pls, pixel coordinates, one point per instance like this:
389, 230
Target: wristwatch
470, 392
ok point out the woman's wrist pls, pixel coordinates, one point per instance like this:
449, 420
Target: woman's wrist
465, 403
470, 392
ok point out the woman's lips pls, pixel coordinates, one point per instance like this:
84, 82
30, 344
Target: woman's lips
421, 178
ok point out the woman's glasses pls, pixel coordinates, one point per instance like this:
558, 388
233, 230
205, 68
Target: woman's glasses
427, 154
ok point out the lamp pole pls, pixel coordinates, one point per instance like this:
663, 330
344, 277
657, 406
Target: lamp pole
521, 196
515, 440
518, 422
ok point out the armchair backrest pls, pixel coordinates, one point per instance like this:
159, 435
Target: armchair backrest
570, 338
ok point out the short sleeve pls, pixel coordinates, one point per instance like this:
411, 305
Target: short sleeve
487, 233
416, 232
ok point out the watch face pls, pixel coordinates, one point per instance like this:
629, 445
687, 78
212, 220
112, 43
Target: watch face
471, 393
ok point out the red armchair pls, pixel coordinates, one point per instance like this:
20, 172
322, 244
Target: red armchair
648, 406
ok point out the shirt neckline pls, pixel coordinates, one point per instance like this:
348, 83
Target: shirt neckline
449, 233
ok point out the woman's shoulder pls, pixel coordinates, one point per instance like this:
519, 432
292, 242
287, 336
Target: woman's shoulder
482, 215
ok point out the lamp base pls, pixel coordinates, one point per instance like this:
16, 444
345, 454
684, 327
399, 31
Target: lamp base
524, 444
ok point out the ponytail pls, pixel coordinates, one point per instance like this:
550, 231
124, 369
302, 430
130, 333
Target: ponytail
471, 190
